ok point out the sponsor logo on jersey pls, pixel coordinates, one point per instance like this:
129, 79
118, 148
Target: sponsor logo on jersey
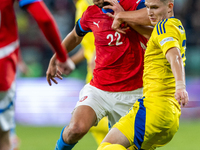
83, 98
166, 40
97, 24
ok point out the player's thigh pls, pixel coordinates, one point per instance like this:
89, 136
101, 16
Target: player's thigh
126, 125
162, 122
168, 133
92, 97
115, 136
122, 102
83, 116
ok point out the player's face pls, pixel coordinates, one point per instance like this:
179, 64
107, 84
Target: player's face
157, 10
100, 3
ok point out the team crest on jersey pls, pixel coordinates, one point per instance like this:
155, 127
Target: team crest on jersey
83, 98
181, 29
143, 45
166, 40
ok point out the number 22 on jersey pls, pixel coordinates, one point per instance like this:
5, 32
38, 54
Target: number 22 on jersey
111, 37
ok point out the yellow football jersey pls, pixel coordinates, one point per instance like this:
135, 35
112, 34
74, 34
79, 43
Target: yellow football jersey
154, 119
88, 40
158, 79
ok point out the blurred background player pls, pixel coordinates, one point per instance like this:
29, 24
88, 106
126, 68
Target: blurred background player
23, 68
87, 51
9, 55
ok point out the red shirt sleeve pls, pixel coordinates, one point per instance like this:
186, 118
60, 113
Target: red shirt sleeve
83, 23
129, 5
46, 23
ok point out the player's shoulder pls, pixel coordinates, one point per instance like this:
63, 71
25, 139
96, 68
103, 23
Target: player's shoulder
92, 9
130, 4
168, 24
173, 21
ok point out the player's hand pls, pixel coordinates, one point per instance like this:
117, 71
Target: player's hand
117, 24
115, 6
53, 72
181, 96
66, 67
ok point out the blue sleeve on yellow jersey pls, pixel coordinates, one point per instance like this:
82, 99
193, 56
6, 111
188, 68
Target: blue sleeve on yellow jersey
141, 4
26, 2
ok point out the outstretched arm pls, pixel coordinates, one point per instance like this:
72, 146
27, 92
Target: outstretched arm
70, 42
45, 21
174, 58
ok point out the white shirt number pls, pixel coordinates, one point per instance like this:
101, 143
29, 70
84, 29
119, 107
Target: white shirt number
111, 37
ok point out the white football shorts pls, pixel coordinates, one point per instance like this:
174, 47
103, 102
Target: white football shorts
7, 109
111, 104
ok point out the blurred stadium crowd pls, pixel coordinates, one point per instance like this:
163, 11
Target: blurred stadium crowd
36, 53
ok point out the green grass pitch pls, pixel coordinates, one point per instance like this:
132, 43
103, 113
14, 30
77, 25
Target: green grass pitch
44, 138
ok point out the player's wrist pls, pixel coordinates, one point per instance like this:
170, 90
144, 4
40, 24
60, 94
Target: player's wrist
180, 85
62, 59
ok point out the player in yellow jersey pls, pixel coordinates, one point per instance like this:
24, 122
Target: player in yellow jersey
154, 119
87, 51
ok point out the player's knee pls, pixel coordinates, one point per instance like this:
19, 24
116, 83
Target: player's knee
78, 130
108, 146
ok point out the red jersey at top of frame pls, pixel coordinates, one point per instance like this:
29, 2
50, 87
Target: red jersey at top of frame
8, 25
119, 57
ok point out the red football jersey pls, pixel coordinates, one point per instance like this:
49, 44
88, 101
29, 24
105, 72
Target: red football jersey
119, 57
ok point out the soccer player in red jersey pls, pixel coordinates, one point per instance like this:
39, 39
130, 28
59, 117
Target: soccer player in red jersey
117, 77
9, 48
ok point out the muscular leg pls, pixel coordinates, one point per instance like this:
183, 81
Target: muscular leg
114, 137
82, 120
4, 140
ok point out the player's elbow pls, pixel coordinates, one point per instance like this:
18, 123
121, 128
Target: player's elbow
45, 21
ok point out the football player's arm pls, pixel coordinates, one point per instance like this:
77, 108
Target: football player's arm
139, 17
69, 42
143, 30
173, 56
131, 17
78, 56
46, 23
72, 39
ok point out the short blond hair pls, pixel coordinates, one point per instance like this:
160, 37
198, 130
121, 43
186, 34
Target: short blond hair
165, 1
